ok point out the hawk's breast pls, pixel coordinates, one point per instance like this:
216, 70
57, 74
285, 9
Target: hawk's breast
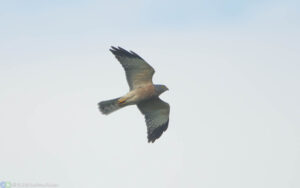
144, 93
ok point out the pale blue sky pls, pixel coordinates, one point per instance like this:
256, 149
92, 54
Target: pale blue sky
232, 68
56, 18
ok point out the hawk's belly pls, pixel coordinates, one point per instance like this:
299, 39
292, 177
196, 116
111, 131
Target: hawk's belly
139, 94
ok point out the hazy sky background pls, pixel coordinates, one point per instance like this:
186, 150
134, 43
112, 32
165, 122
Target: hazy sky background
232, 68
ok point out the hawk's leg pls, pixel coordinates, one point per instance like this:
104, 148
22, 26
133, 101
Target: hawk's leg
122, 100
127, 98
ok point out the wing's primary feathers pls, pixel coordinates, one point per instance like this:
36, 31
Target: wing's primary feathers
124, 53
138, 71
156, 114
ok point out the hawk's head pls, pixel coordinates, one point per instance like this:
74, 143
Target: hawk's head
160, 89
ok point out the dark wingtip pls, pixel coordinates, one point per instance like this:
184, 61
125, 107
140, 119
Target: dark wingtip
121, 52
157, 132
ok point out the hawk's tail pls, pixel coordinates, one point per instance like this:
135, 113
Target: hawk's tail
109, 106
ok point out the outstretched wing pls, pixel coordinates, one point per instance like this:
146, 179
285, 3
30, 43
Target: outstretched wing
138, 71
156, 114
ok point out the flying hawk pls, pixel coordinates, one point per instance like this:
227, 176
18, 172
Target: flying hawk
142, 93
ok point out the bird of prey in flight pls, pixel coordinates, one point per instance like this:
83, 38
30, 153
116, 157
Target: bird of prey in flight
142, 93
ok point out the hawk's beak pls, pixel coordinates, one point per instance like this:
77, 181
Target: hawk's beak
167, 88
